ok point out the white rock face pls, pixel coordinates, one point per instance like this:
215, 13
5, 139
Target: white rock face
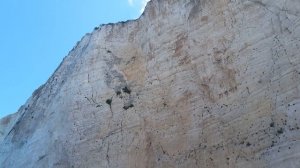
189, 84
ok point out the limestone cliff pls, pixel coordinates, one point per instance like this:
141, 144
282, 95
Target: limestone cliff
191, 83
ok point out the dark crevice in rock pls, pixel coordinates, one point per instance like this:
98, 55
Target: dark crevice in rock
126, 107
126, 90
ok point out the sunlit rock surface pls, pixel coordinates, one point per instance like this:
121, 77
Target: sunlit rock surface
191, 83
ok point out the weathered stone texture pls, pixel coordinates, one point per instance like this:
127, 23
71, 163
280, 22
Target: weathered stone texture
191, 83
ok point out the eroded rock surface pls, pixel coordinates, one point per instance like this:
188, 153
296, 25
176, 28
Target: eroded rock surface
191, 83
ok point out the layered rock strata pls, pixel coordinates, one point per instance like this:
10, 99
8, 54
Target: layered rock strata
191, 83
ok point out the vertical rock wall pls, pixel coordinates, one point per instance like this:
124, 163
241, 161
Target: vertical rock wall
191, 83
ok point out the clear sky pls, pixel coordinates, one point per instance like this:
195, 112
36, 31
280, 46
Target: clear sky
35, 35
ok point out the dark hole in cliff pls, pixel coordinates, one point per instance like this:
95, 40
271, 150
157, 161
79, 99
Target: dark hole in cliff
108, 101
126, 90
128, 106
248, 144
118, 93
273, 142
108, 51
165, 104
280, 131
42, 157
272, 124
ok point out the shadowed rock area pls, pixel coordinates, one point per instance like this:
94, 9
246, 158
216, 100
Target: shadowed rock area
191, 83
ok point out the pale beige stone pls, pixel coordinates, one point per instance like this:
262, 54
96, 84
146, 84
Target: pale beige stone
189, 84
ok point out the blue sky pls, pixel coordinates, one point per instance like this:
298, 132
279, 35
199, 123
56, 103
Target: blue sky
35, 35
